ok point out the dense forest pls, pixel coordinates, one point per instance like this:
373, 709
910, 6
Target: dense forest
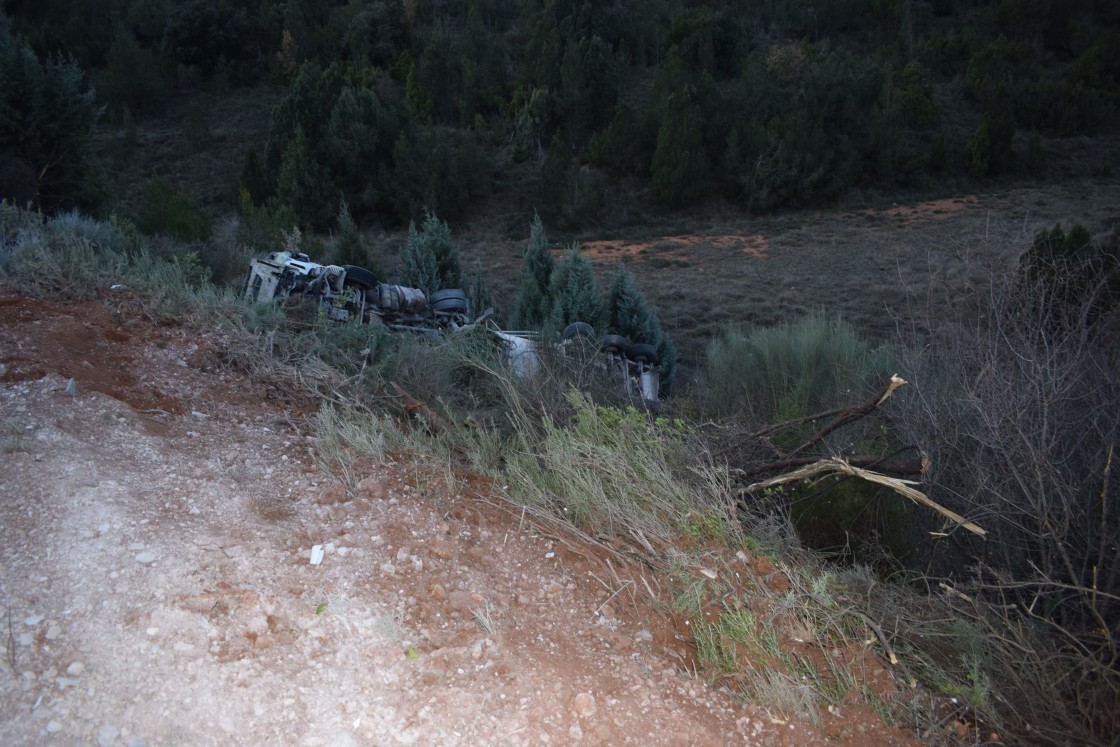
397, 106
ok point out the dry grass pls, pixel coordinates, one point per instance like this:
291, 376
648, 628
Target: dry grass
863, 262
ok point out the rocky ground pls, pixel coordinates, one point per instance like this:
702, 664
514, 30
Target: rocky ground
157, 523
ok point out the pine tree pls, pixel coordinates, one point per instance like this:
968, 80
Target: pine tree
349, 248
437, 235
304, 183
630, 315
47, 119
430, 261
478, 295
575, 292
534, 283
680, 171
418, 265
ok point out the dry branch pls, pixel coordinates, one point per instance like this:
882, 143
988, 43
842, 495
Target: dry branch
848, 414
838, 465
914, 465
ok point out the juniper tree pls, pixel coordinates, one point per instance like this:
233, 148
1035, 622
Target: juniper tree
418, 267
534, 283
349, 248
630, 315
47, 119
575, 292
430, 261
478, 295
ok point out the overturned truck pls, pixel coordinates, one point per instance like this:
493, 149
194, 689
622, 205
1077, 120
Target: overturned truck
351, 294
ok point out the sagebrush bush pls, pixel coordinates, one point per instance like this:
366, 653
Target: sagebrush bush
791, 370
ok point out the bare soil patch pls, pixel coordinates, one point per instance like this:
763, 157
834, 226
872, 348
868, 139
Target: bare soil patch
156, 531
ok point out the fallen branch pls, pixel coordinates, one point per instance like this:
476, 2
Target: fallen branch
838, 465
848, 414
914, 465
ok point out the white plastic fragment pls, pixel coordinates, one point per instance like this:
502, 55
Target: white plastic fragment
317, 554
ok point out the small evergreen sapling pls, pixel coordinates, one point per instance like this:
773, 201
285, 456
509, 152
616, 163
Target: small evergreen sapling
630, 315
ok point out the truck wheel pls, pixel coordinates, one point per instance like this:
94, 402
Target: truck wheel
578, 328
359, 277
641, 353
612, 344
449, 301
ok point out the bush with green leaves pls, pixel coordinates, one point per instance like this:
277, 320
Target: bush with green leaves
262, 228
478, 294
612, 472
347, 246
67, 258
791, 370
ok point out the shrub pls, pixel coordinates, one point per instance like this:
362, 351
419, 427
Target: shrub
792, 369
1017, 404
1067, 275
348, 247
262, 229
168, 211
610, 472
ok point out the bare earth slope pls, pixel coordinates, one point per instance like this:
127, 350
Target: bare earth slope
155, 533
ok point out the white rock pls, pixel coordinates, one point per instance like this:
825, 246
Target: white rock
107, 734
54, 631
145, 557
75, 669
584, 705
53, 726
316, 554
32, 619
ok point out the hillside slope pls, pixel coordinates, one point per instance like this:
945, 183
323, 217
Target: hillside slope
157, 525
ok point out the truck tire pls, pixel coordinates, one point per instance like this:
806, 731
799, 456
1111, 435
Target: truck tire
449, 301
641, 352
578, 328
612, 344
360, 277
